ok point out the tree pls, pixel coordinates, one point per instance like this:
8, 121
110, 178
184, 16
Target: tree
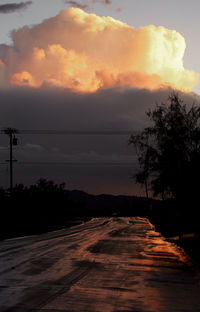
169, 150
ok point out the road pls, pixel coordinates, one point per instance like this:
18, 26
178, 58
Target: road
104, 265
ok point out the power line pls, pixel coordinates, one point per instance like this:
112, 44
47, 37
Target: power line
12, 132
74, 163
73, 132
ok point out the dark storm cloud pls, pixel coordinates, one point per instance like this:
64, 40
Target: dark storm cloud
59, 109
77, 4
86, 5
105, 2
13, 7
93, 163
56, 108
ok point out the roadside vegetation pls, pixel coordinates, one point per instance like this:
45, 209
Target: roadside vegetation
169, 158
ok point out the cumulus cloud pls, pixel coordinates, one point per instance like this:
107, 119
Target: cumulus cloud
13, 7
85, 52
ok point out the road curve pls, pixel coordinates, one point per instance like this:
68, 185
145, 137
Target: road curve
110, 265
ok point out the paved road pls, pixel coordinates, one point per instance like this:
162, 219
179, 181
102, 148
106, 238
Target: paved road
116, 264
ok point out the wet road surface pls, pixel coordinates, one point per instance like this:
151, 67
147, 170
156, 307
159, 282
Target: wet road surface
115, 264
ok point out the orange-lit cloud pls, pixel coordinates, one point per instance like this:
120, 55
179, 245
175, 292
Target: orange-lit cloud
85, 52
2, 73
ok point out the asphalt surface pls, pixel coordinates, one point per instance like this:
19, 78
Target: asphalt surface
104, 265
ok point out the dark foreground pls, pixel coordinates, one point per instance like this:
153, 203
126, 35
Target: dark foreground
115, 264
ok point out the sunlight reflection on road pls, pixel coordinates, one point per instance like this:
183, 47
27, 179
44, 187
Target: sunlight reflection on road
111, 265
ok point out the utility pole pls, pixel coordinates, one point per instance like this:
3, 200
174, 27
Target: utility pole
12, 141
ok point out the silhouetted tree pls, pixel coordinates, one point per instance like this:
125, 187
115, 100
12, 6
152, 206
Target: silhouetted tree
169, 150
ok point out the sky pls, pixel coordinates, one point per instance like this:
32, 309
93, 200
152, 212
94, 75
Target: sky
96, 69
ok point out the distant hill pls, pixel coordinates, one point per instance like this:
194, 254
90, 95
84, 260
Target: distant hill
47, 206
107, 205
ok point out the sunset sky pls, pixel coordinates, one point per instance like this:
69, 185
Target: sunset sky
91, 65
